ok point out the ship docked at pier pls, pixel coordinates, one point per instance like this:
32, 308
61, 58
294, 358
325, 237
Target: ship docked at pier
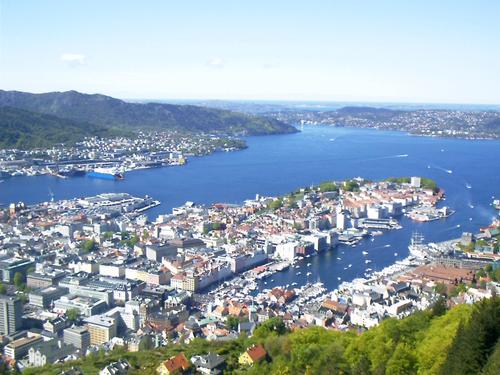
106, 174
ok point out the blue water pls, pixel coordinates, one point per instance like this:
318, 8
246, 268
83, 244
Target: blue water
278, 164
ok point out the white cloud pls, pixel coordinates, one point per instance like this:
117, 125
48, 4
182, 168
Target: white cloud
73, 59
216, 62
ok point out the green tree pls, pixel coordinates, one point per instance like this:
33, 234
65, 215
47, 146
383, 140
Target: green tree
146, 343
73, 314
441, 289
107, 235
217, 226
3, 289
460, 288
232, 322
402, 361
273, 326
475, 339
439, 307
432, 349
351, 186
275, 204
18, 279
88, 246
328, 186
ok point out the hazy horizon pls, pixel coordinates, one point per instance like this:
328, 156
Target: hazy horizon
360, 51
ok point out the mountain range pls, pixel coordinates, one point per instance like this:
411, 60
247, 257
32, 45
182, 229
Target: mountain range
67, 115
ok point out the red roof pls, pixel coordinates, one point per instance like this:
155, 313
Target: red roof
177, 363
257, 353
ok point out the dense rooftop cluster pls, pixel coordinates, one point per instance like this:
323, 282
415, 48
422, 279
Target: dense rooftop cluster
94, 274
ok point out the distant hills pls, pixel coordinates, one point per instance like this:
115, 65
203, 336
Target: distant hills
26, 130
103, 112
429, 122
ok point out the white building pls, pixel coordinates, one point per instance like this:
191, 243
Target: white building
416, 182
287, 250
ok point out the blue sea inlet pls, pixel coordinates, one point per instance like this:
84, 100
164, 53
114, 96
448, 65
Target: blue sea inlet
274, 165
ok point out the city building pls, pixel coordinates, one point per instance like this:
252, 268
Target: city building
101, 328
45, 297
10, 266
36, 280
46, 352
87, 306
79, 337
11, 310
20, 347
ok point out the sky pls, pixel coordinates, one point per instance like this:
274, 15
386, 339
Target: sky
394, 51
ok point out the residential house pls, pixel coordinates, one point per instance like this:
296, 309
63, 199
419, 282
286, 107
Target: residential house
210, 364
252, 355
175, 365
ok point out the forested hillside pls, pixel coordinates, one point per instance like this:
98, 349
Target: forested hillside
463, 340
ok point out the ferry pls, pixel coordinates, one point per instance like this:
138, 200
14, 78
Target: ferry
106, 174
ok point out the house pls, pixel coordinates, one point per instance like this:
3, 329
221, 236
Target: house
254, 354
48, 352
210, 364
72, 371
121, 367
174, 365
246, 327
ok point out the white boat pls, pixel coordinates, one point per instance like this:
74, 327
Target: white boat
106, 173
299, 273
308, 264
395, 254
364, 252
339, 258
368, 261
350, 265
468, 186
